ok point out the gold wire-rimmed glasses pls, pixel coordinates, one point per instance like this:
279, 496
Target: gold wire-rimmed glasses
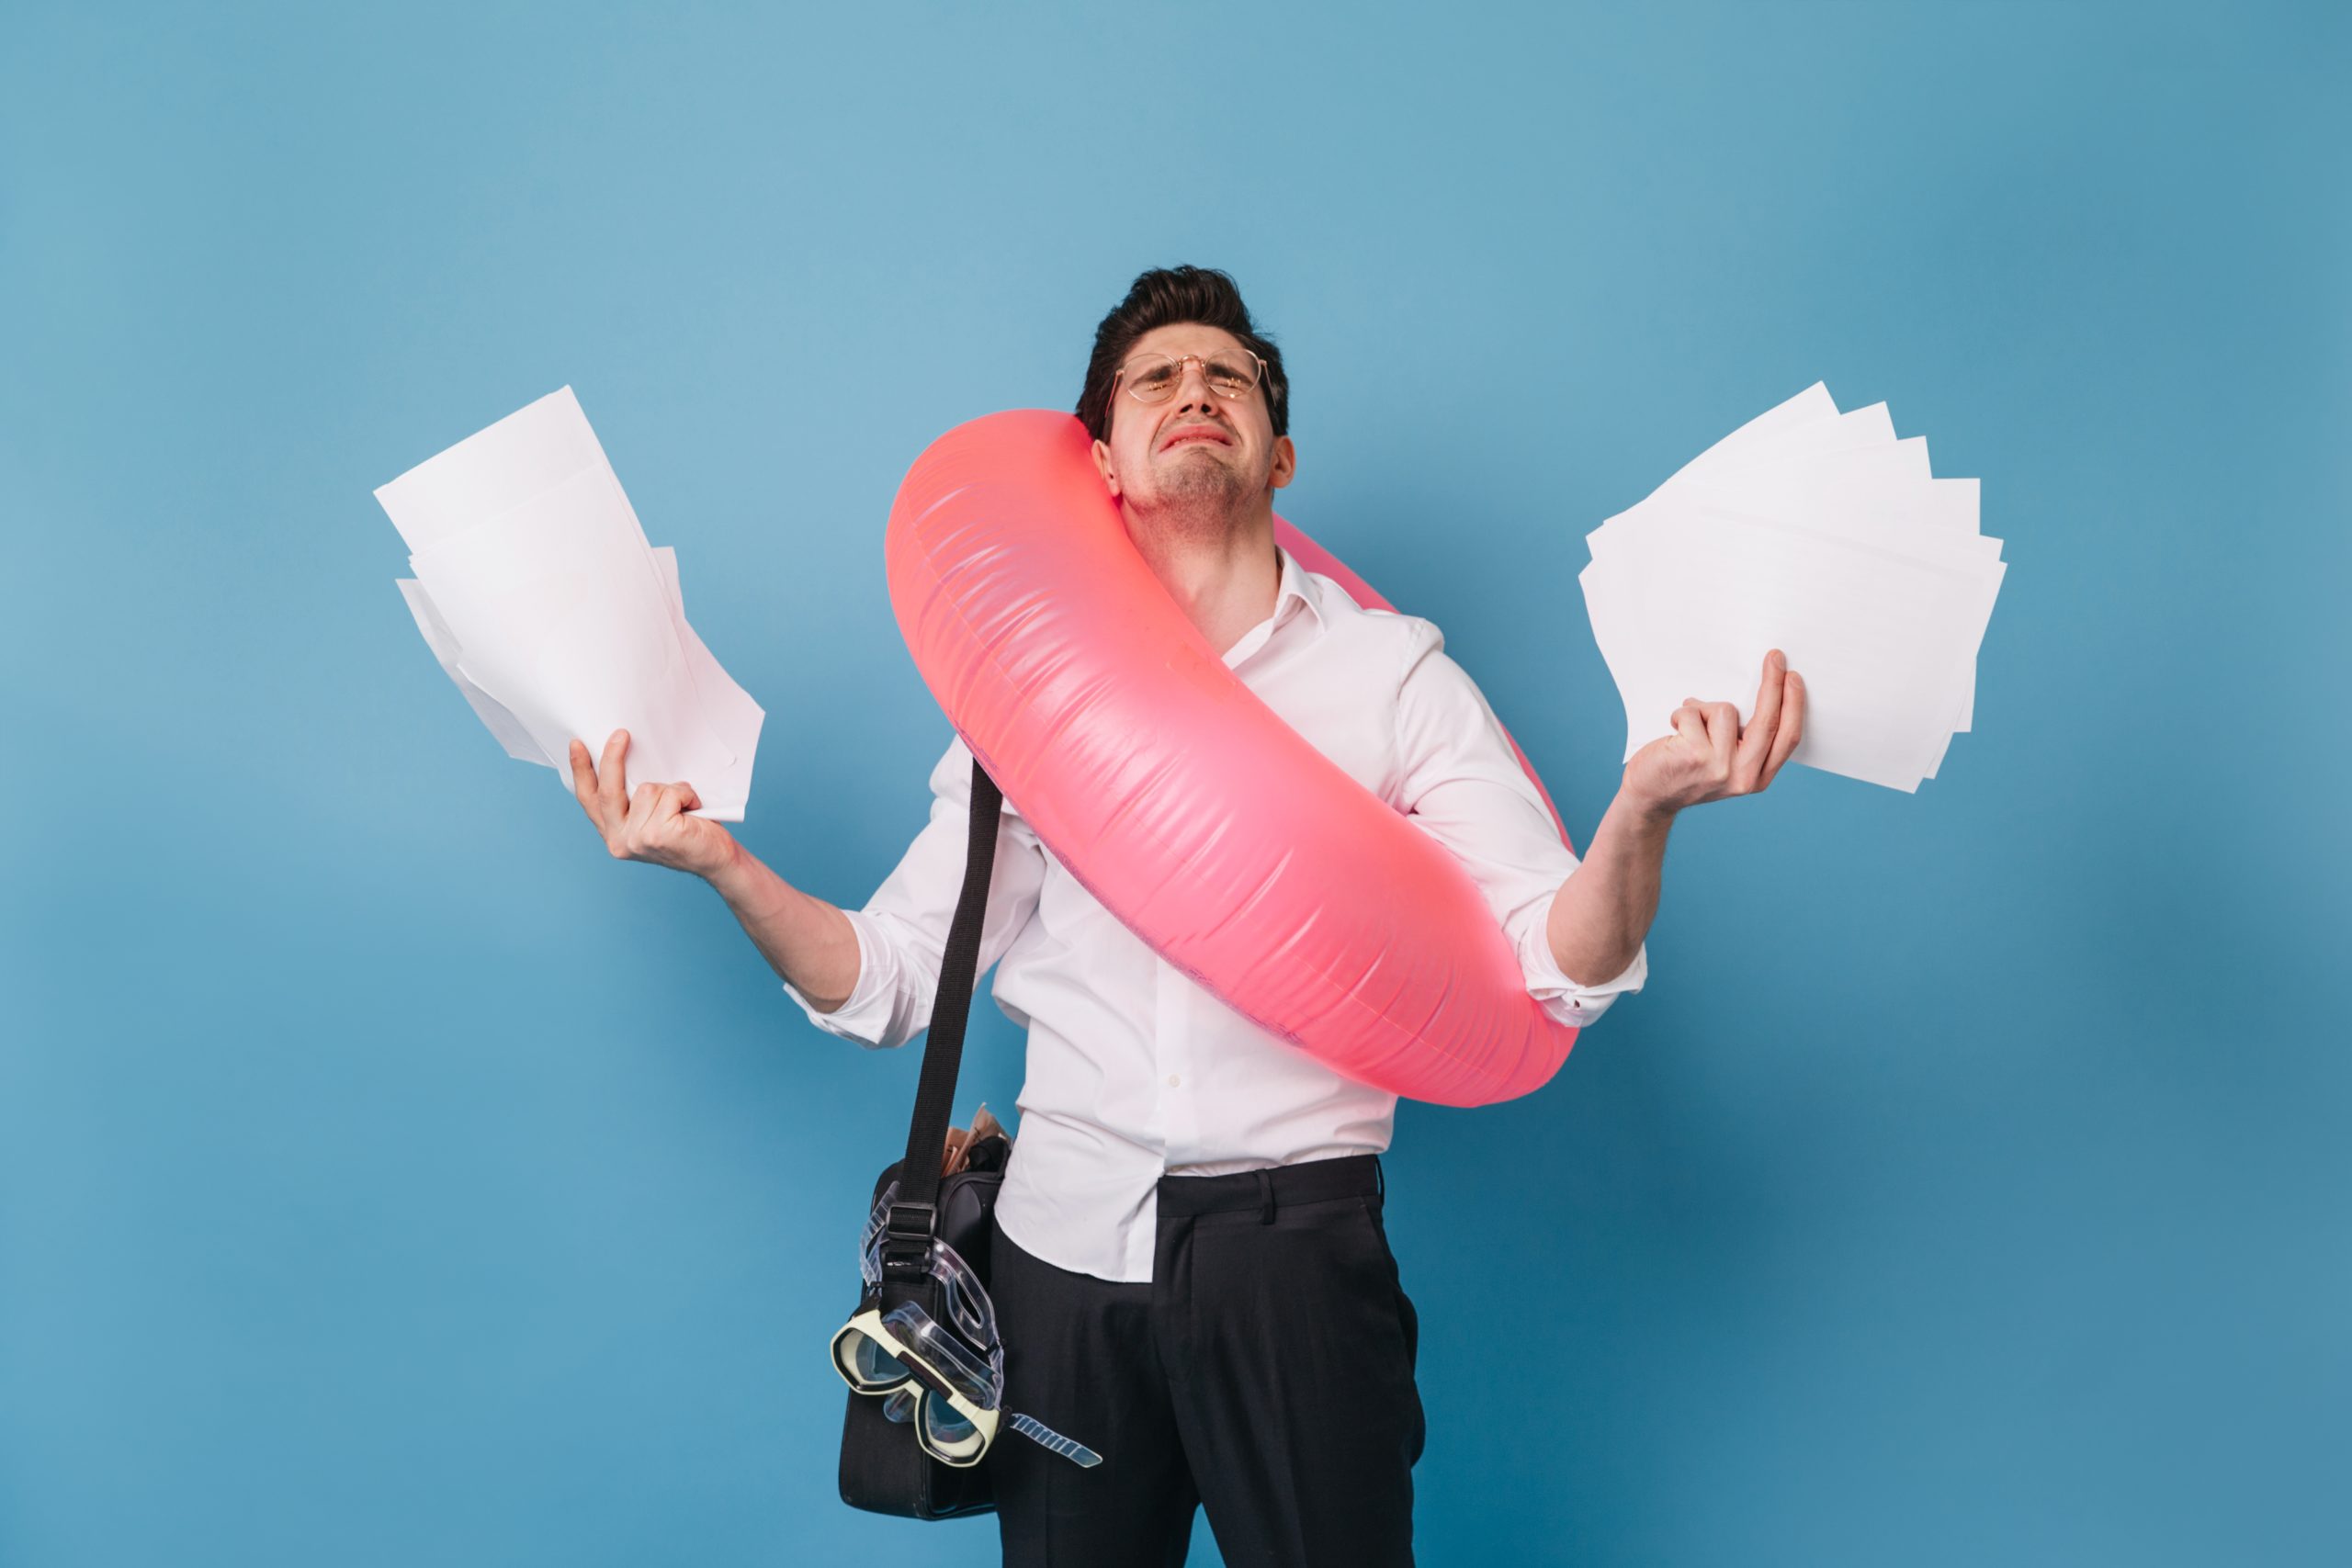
1154, 377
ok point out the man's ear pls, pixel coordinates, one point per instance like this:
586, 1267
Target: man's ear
1285, 463
1103, 466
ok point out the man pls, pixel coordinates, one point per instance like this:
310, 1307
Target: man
1189, 1269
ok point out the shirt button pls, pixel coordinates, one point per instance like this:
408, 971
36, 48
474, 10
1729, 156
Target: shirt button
1175, 1080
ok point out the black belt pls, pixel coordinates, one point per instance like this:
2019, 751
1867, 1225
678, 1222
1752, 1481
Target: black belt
1309, 1181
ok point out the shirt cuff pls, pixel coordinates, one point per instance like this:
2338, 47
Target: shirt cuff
866, 1016
1579, 1006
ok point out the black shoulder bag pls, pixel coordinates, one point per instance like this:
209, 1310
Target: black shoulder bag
882, 1469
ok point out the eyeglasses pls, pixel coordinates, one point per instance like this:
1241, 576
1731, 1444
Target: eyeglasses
1154, 377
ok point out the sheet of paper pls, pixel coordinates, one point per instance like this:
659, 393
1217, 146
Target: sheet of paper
1875, 494
1855, 432
494, 471
1825, 535
538, 592
1879, 466
1870, 495
1813, 404
560, 615
725, 795
1689, 604
1853, 520
503, 726
728, 793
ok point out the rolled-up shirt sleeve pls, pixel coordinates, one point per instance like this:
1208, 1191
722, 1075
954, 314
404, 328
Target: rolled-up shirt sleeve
1564, 998
902, 931
1460, 781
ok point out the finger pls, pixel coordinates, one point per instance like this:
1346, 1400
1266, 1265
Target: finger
583, 780
1791, 725
637, 811
1689, 725
1756, 741
612, 789
1723, 733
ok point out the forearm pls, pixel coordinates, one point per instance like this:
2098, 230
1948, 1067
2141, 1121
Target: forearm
806, 941
1605, 906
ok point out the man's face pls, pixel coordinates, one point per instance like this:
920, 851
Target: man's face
1195, 450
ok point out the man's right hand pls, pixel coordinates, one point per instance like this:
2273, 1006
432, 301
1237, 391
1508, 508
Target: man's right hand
654, 825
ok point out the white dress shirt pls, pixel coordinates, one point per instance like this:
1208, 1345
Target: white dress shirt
1135, 1070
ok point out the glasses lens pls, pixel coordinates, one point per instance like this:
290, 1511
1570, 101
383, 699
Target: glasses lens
866, 1364
1151, 377
946, 1432
1231, 375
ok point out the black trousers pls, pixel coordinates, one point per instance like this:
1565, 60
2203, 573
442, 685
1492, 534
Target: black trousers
1265, 1372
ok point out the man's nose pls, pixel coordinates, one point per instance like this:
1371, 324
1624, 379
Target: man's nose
1192, 387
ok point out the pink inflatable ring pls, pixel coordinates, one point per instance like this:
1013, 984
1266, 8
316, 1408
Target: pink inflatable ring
1202, 821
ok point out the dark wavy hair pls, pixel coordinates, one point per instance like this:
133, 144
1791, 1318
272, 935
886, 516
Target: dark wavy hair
1164, 296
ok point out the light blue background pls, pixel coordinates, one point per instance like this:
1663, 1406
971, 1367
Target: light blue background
387, 1176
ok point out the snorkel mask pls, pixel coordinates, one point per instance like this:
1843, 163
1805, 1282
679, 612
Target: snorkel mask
946, 1379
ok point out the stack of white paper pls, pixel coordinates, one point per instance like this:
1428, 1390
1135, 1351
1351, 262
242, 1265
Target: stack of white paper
538, 592
1819, 534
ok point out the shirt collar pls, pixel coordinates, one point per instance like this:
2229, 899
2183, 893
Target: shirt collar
1298, 583
1297, 586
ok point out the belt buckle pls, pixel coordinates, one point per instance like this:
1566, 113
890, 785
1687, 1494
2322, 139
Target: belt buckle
906, 1242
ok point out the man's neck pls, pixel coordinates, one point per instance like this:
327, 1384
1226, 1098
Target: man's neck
1225, 579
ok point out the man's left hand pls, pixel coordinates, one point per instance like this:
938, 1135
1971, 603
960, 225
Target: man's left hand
1710, 756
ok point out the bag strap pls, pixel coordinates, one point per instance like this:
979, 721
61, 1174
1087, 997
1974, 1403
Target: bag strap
914, 1214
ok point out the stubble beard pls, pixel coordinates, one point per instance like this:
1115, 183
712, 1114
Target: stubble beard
1196, 500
